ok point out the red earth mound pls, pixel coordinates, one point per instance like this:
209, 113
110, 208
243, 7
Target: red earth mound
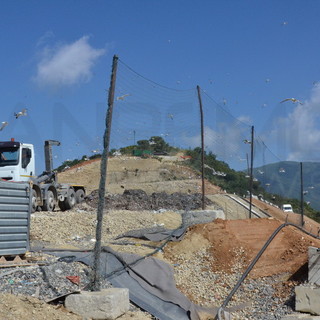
237, 242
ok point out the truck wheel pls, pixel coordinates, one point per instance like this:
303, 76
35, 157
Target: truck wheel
70, 199
61, 205
80, 195
49, 202
34, 203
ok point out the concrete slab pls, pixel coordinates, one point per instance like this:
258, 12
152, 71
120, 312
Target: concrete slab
107, 304
314, 265
307, 299
190, 218
300, 316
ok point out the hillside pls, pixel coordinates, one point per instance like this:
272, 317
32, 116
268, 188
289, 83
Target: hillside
151, 175
284, 178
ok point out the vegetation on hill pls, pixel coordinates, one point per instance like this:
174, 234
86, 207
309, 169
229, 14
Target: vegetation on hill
284, 180
156, 145
220, 174
70, 163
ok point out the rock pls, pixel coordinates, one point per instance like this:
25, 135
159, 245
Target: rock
107, 304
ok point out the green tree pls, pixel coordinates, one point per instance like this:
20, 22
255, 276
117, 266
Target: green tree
158, 144
128, 149
143, 144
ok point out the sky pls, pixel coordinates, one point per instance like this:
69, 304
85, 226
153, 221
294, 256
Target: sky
246, 55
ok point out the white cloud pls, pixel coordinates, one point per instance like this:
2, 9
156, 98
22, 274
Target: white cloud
226, 142
67, 64
299, 133
245, 119
45, 38
195, 141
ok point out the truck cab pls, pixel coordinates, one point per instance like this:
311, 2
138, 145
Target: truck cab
17, 162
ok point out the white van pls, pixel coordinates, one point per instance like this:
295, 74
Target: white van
287, 208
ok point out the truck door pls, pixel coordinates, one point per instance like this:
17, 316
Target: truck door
26, 164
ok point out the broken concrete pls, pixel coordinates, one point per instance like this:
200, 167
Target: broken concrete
307, 299
314, 265
107, 304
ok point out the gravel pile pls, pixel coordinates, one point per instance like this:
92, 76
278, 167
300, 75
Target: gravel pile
76, 229
140, 200
264, 298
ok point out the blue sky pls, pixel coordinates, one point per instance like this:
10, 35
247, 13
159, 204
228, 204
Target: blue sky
246, 55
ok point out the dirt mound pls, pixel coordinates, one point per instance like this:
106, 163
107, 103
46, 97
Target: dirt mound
150, 175
235, 243
140, 200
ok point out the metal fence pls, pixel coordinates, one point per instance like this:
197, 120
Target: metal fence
191, 120
145, 119
14, 218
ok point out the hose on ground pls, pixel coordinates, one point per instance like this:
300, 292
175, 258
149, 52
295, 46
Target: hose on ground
254, 261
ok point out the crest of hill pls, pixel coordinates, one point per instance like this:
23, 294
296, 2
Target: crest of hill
157, 174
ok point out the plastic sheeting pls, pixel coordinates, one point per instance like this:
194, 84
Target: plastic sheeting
150, 282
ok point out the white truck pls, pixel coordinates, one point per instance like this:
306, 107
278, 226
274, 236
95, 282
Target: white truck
17, 163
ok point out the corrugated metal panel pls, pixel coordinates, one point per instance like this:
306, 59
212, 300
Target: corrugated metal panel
15, 204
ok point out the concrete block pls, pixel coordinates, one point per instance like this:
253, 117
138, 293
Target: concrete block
314, 265
107, 304
307, 299
201, 216
300, 316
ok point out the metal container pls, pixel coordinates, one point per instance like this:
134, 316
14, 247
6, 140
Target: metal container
15, 210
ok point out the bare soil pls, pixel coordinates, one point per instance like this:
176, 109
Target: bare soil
287, 253
24, 307
150, 175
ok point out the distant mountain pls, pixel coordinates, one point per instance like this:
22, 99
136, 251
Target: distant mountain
284, 178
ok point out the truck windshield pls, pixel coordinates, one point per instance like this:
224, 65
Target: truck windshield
9, 156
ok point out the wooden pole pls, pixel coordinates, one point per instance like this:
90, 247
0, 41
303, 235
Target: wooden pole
302, 198
251, 170
96, 281
202, 148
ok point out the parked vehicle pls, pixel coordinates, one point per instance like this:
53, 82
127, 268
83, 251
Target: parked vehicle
17, 163
287, 208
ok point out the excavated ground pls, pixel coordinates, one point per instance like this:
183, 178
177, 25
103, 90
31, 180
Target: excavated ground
211, 257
